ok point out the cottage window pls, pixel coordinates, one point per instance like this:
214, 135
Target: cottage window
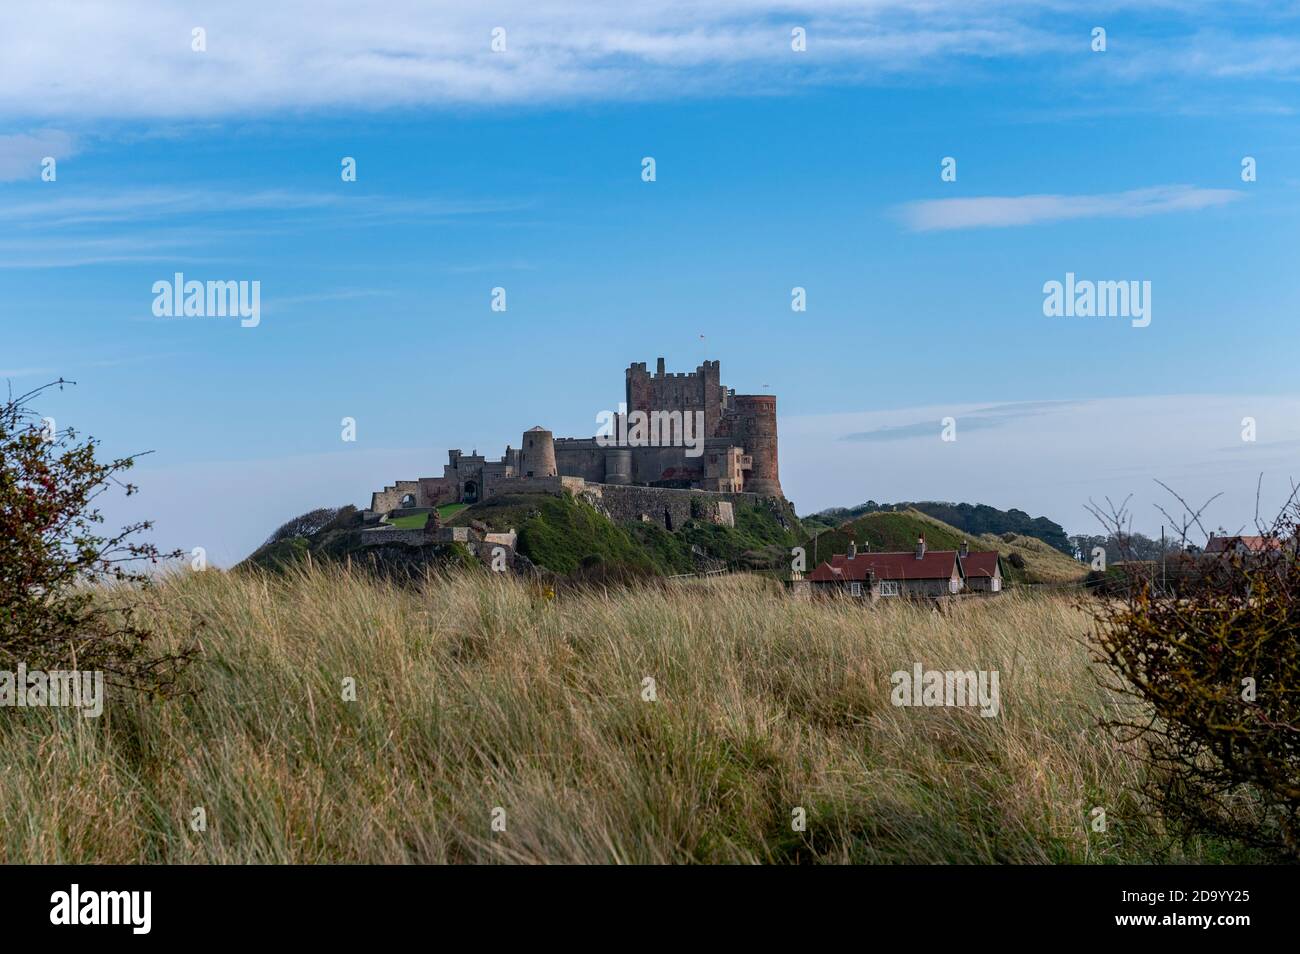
888, 587
997, 584
855, 589
954, 586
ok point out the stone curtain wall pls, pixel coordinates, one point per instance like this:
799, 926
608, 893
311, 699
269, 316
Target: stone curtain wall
427, 491
390, 498
664, 506
580, 457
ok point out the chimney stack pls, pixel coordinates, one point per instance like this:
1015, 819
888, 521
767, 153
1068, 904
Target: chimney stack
963, 550
920, 547
853, 549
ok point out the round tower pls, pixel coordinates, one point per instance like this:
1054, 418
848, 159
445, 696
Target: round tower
756, 423
537, 455
618, 465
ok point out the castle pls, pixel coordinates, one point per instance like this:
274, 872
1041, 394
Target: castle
675, 431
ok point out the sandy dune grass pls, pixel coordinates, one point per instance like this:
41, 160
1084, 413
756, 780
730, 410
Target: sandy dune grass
475, 693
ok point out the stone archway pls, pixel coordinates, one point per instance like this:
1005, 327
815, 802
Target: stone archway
470, 494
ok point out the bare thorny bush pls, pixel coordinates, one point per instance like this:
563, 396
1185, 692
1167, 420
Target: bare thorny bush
53, 552
1210, 656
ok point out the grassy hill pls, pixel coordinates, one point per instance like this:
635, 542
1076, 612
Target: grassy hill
567, 535
561, 534
975, 519
564, 534
337, 540
898, 530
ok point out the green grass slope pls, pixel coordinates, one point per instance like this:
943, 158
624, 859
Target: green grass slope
339, 541
565, 533
561, 533
975, 519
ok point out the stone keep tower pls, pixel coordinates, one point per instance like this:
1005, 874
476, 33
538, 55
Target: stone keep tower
748, 420
699, 390
537, 455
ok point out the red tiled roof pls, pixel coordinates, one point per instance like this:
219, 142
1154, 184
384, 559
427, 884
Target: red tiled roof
825, 573
935, 565
980, 563
1253, 544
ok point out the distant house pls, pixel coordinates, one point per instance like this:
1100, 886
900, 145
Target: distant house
867, 575
981, 570
1243, 545
920, 573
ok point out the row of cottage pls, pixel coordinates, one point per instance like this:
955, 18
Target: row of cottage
920, 573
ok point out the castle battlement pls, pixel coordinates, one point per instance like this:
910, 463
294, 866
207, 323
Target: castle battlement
737, 452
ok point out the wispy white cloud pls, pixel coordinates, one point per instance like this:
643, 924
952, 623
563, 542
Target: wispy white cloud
1002, 211
1218, 54
21, 153
65, 228
140, 205
341, 294
70, 58
308, 54
975, 419
74, 251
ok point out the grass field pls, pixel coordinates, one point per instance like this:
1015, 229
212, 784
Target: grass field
476, 693
416, 521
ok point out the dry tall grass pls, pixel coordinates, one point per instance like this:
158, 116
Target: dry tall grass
477, 692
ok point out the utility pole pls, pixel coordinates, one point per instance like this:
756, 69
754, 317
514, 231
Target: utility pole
1164, 583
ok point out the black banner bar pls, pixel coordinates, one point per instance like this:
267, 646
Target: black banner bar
335, 904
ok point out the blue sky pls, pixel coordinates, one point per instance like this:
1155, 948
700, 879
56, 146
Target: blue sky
775, 169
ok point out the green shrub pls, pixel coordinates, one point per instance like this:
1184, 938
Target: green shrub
1214, 667
51, 547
